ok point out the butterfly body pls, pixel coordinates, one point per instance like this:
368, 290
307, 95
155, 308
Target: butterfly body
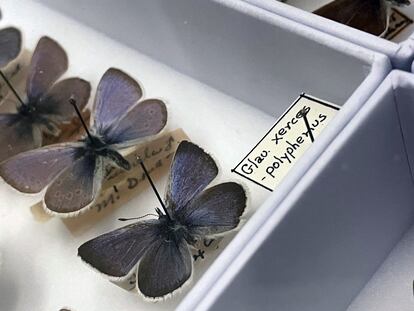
95, 146
159, 249
27, 110
28, 115
172, 230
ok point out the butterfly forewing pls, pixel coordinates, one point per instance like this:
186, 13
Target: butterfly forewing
116, 93
366, 15
214, 211
32, 171
49, 62
165, 267
116, 253
10, 45
146, 118
76, 188
191, 171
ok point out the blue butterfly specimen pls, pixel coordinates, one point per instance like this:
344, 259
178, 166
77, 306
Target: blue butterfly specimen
45, 107
10, 45
368, 15
73, 172
158, 249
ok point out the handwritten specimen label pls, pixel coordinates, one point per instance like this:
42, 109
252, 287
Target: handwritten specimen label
283, 145
397, 23
119, 185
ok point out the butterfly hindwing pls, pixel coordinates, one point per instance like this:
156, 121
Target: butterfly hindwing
10, 45
341, 10
49, 62
116, 253
17, 136
366, 15
32, 171
165, 267
76, 188
371, 18
216, 210
55, 102
146, 118
192, 170
116, 93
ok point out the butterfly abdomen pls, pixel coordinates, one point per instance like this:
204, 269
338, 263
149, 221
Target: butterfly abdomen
97, 146
116, 157
173, 230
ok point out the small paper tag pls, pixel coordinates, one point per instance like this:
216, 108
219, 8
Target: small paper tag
397, 23
288, 139
203, 247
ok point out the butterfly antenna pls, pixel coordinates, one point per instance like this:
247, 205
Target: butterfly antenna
72, 101
136, 218
153, 187
11, 88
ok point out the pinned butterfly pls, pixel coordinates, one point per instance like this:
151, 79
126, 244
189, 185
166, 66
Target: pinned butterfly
72, 173
45, 107
158, 250
371, 16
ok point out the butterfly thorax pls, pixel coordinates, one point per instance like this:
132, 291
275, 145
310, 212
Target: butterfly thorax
32, 116
172, 230
27, 110
96, 146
